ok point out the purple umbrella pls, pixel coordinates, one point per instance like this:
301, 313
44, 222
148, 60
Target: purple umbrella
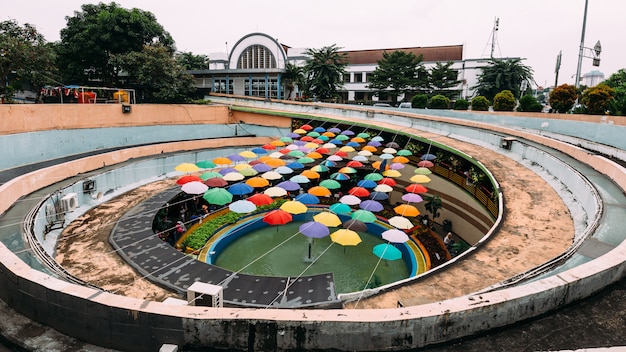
412, 198
334, 130
226, 170
261, 167
314, 229
289, 186
348, 133
374, 143
236, 157
371, 205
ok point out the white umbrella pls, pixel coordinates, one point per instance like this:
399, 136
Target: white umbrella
276, 155
350, 200
389, 151
271, 175
365, 153
233, 176
395, 236
383, 188
275, 192
194, 187
401, 222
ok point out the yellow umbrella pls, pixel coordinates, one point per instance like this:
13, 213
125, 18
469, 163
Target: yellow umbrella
345, 237
257, 182
392, 173
406, 210
319, 191
347, 149
240, 167
299, 131
420, 178
328, 219
311, 145
248, 154
187, 167
294, 207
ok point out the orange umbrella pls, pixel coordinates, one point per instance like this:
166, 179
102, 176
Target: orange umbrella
257, 182
277, 143
369, 148
319, 191
310, 174
314, 155
406, 210
222, 161
275, 162
400, 159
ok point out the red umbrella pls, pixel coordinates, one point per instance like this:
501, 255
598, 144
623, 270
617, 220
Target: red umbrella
216, 182
260, 199
277, 217
387, 181
306, 127
188, 178
354, 163
416, 188
268, 147
306, 138
341, 154
359, 191
425, 163
322, 150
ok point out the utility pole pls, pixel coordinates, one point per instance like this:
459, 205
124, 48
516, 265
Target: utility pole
496, 25
557, 68
581, 48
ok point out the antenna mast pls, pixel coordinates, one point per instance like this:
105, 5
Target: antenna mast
496, 25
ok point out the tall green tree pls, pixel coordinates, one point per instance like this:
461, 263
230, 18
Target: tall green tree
99, 33
324, 71
292, 78
24, 51
444, 79
499, 75
190, 61
399, 72
156, 75
617, 81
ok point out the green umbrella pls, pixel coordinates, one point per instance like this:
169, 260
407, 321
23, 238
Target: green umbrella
306, 160
373, 177
342, 137
205, 164
404, 152
218, 196
211, 174
364, 215
363, 135
330, 184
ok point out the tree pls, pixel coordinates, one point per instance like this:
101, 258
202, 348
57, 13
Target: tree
324, 70
528, 103
189, 61
292, 78
23, 50
596, 99
499, 75
563, 97
433, 205
617, 81
99, 33
443, 78
399, 72
504, 101
157, 75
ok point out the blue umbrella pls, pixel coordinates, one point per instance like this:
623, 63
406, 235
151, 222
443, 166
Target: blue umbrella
239, 189
338, 176
289, 186
335, 141
367, 184
319, 129
307, 198
295, 165
371, 205
379, 196
387, 251
259, 151
428, 157
242, 206
340, 208
314, 229
353, 144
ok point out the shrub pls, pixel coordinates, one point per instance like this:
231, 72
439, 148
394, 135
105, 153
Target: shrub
439, 102
461, 104
504, 101
528, 103
480, 103
419, 101
563, 97
597, 99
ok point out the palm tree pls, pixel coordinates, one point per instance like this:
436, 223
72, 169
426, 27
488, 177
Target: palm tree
499, 75
293, 77
324, 70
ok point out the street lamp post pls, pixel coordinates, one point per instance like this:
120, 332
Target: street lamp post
595, 52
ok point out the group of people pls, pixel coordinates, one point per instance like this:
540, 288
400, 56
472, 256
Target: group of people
187, 211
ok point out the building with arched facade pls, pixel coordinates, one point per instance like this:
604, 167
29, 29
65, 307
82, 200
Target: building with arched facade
256, 65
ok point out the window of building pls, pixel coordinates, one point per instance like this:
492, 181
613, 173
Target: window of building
223, 86
346, 77
358, 77
256, 87
256, 57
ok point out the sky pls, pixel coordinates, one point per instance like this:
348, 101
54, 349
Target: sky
535, 30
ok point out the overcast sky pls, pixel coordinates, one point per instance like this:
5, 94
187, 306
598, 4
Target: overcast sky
532, 29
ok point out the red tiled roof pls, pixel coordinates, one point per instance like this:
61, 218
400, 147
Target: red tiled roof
433, 53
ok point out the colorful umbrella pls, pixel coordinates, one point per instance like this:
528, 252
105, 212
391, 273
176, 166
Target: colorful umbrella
379, 196
216, 182
366, 184
194, 187
392, 145
371, 205
236, 157
187, 167
261, 167
211, 174
310, 174
289, 186
275, 162
307, 198
260, 199
350, 199
306, 160
320, 168
389, 151
378, 139
242, 206
271, 175
328, 219
294, 207
205, 164
355, 225
429, 157
347, 170
345, 237
425, 163
400, 159
373, 177
404, 152
359, 191
392, 173
420, 178
406, 210
259, 151
227, 170
240, 189
412, 198
248, 154
396, 165
422, 171
383, 188
257, 182
387, 251
248, 171
294, 165
364, 215
319, 191
284, 170
387, 181
234, 176
339, 176
416, 188
314, 229
299, 179
353, 164
218, 196
395, 236
340, 208
401, 222
222, 161
330, 184
277, 217
275, 192
188, 178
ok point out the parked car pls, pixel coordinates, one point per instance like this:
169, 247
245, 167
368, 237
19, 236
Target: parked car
405, 105
382, 105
